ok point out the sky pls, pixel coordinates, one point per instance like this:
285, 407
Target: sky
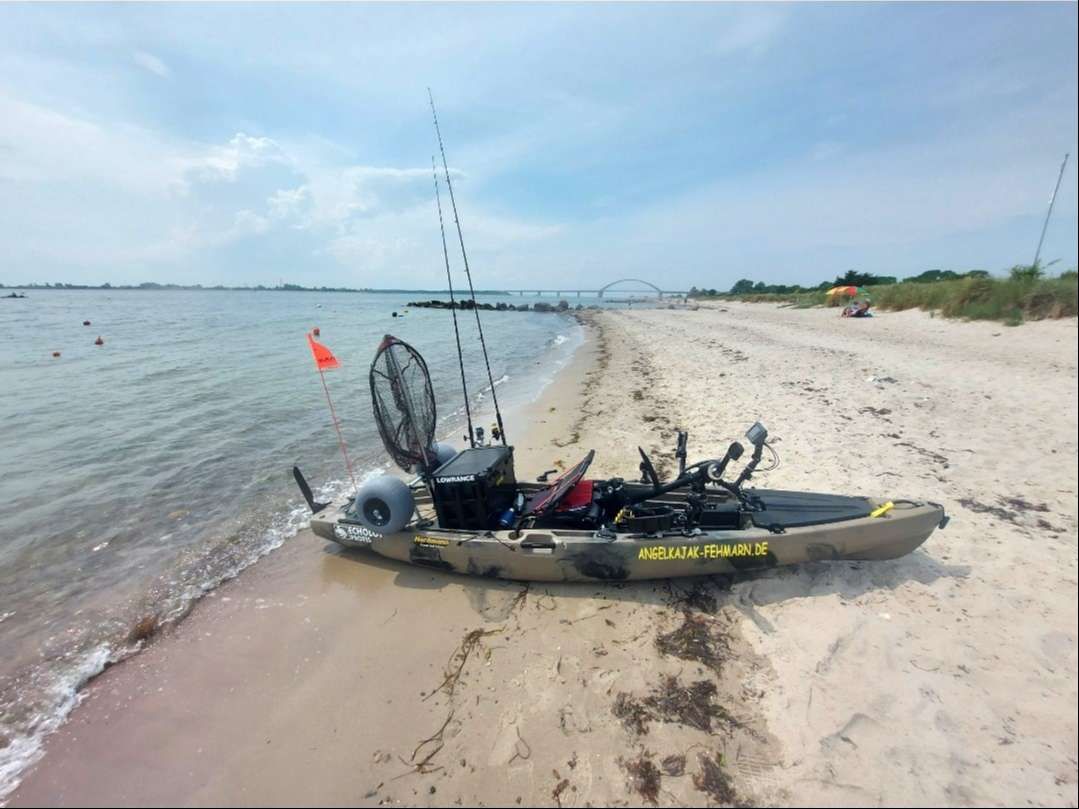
687, 145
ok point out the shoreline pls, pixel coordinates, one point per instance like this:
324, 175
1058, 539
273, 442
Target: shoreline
323, 675
47, 686
145, 698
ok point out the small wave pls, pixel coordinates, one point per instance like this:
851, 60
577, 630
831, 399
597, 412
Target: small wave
187, 558
487, 388
65, 692
60, 689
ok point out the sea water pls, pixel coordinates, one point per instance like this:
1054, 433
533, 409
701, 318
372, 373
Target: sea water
139, 474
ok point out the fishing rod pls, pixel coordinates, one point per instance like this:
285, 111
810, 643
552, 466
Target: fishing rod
453, 305
468, 272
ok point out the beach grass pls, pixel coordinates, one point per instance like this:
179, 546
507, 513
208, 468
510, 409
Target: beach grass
1010, 300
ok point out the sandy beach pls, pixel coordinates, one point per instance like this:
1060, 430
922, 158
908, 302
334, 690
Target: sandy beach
327, 677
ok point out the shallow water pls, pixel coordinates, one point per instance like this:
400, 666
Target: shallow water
139, 474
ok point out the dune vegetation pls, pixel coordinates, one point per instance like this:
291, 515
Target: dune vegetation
1027, 293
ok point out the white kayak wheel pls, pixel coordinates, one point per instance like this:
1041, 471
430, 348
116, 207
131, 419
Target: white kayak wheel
384, 504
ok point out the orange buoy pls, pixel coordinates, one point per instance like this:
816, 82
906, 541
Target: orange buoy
56, 353
86, 323
99, 342
316, 332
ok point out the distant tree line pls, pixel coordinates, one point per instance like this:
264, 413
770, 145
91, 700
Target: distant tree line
747, 286
156, 285
259, 287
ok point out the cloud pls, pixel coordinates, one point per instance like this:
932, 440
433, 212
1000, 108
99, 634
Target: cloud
43, 145
693, 142
158, 203
248, 223
150, 62
224, 163
288, 203
406, 244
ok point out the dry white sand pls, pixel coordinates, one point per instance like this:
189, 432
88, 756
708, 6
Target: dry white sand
948, 677
944, 678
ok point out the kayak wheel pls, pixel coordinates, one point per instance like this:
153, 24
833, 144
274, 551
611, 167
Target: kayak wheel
444, 453
384, 504
440, 453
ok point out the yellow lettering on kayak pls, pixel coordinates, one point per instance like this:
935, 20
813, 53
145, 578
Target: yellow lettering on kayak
713, 550
424, 539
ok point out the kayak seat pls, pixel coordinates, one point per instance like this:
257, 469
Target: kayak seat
578, 507
580, 496
550, 500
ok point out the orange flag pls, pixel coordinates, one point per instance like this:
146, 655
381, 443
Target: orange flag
324, 358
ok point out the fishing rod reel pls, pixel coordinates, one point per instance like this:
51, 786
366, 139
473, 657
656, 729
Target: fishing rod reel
480, 439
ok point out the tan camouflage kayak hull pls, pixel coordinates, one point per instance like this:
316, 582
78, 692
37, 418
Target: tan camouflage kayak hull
553, 554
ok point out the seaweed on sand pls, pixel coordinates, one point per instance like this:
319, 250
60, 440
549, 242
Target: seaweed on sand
144, 629
456, 664
674, 765
560, 787
697, 595
713, 781
644, 776
632, 712
433, 744
431, 747
695, 640
693, 706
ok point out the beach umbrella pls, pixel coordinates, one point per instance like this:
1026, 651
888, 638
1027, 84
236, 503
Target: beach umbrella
846, 290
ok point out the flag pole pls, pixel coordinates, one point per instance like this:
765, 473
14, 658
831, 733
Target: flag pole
324, 359
337, 427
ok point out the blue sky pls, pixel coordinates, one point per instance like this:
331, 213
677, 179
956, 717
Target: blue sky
688, 144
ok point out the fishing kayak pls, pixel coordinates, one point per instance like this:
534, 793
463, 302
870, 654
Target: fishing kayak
789, 528
466, 511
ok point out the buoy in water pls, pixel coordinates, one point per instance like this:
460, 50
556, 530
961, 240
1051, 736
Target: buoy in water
56, 353
395, 314
99, 342
86, 323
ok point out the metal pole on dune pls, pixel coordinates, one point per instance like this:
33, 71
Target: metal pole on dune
1052, 201
468, 272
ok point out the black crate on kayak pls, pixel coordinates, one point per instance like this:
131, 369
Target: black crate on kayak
475, 488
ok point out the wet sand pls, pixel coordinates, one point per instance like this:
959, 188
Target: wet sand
945, 678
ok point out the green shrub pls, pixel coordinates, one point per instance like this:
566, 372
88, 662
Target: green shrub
1026, 272
975, 296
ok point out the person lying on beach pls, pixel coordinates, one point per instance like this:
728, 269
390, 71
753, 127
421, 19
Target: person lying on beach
856, 309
